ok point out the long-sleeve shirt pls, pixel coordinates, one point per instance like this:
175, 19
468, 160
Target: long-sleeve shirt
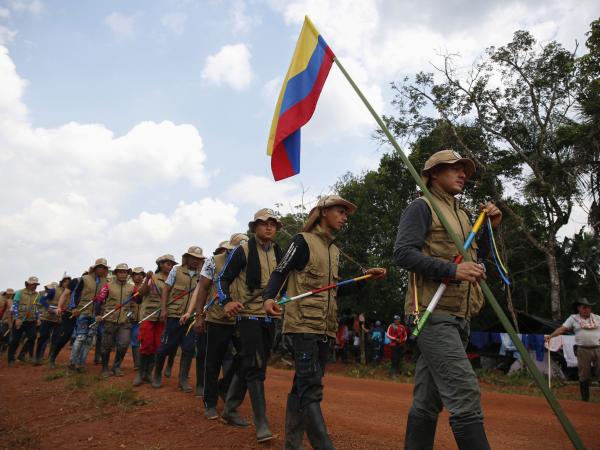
414, 225
296, 258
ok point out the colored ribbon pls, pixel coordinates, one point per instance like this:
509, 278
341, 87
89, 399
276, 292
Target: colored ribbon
502, 270
442, 288
118, 307
183, 294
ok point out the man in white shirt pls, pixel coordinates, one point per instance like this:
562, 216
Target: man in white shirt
586, 327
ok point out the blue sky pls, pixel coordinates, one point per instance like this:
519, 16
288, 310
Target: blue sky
130, 129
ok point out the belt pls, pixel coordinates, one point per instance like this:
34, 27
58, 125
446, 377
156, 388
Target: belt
264, 319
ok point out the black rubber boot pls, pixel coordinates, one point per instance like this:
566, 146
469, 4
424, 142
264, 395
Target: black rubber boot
315, 427
116, 369
137, 380
584, 388
135, 352
420, 433
105, 358
184, 369
159, 363
170, 363
147, 374
52, 360
256, 389
98, 351
294, 424
235, 397
471, 437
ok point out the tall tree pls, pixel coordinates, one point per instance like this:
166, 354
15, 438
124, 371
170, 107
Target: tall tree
519, 96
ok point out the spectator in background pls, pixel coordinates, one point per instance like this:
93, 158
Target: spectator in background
377, 338
586, 327
341, 343
397, 334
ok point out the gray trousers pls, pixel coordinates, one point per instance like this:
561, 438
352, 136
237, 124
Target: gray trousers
116, 334
444, 376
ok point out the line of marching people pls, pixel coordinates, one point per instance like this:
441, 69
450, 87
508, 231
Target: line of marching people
218, 309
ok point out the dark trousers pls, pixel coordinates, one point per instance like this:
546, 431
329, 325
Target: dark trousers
219, 338
256, 338
175, 335
200, 358
47, 330
397, 352
63, 334
29, 329
311, 352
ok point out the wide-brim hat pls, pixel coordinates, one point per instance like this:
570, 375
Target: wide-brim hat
138, 270
122, 266
195, 251
582, 301
264, 215
9, 291
327, 202
66, 276
447, 157
32, 280
51, 285
101, 262
235, 240
167, 257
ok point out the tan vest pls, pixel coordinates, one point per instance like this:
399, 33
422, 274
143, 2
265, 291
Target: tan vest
28, 304
461, 299
252, 301
89, 291
151, 300
216, 313
46, 313
317, 313
4, 303
183, 283
117, 293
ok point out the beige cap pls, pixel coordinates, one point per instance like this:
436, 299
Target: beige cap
138, 270
51, 285
121, 266
446, 157
101, 262
264, 215
9, 291
32, 280
235, 240
326, 202
167, 257
195, 251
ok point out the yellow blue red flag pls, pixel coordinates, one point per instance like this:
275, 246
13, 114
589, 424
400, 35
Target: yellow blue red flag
297, 101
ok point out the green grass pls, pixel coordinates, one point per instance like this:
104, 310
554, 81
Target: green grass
123, 396
56, 375
79, 381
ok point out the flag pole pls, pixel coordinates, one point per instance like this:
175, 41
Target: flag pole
538, 377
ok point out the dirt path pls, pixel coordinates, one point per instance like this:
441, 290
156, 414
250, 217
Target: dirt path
361, 414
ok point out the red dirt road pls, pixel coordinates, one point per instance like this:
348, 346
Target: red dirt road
361, 414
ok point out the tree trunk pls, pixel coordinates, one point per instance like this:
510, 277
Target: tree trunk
554, 285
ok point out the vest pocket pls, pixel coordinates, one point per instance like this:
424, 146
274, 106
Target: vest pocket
313, 312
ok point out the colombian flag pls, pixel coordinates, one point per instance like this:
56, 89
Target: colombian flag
297, 101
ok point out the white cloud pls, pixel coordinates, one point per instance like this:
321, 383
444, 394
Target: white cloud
121, 24
6, 35
262, 192
174, 22
230, 65
4, 13
241, 21
66, 193
34, 7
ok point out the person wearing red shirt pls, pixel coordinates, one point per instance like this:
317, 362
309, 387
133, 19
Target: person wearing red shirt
397, 335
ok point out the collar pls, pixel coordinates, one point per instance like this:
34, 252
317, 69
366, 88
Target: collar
326, 236
444, 196
266, 246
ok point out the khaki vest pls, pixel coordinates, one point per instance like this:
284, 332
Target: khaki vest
252, 301
117, 293
216, 313
4, 304
317, 313
89, 291
461, 299
28, 304
183, 283
46, 314
151, 300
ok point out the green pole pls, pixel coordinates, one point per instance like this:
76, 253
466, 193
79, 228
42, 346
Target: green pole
539, 379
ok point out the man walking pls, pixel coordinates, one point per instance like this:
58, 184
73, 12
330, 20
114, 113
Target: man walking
444, 376
25, 319
397, 334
